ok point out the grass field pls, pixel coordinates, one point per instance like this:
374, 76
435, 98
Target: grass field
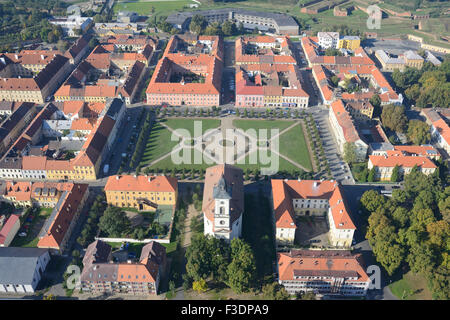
159, 142
206, 124
262, 124
293, 145
145, 8
411, 287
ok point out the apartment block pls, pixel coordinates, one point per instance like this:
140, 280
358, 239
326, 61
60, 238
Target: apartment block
323, 272
144, 193
101, 275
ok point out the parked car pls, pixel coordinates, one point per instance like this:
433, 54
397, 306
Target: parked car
22, 234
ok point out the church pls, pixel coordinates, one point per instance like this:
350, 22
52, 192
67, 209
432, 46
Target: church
223, 202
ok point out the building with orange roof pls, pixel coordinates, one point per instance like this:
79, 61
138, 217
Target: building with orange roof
314, 54
324, 272
264, 49
269, 85
40, 193
105, 75
420, 151
223, 202
440, 130
76, 155
144, 193
293, 198
368, 77
187, 76
9, 230
18, 83
59, 226
135, 43
142, 277
384, 165
31, 62
345, 130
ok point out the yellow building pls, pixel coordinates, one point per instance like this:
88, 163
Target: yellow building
349, 43
143, 193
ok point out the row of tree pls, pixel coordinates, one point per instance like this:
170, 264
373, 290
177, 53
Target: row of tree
199, 25
90, 229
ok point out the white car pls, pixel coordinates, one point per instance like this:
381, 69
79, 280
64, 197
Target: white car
22, 234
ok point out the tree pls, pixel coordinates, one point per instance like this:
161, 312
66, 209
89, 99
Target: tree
93, 43
395, 177
394, 118
241, 28
350, 152
114, 222
375, 100
418, 132
274, 291
214, 29
241, 270
371, 200
200, 286
198, 24
335, 80
389, 254
308, 296
438, 233
229, 28
420, 258
371, 176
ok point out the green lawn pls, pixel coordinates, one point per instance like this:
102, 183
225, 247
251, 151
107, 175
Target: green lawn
262, 124
283, 165
145, 8
32, 238
293, 145
168, 164
158, 144
411, 287
188, 124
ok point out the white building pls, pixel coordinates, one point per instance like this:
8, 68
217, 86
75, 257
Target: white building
71, 23
293, 198
325, 272
345, 131
328, 39
22, 268
223, 202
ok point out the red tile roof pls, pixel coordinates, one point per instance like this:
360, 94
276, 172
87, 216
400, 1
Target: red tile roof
402, 161
283, 193
7, 227
328, 263
141, 183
